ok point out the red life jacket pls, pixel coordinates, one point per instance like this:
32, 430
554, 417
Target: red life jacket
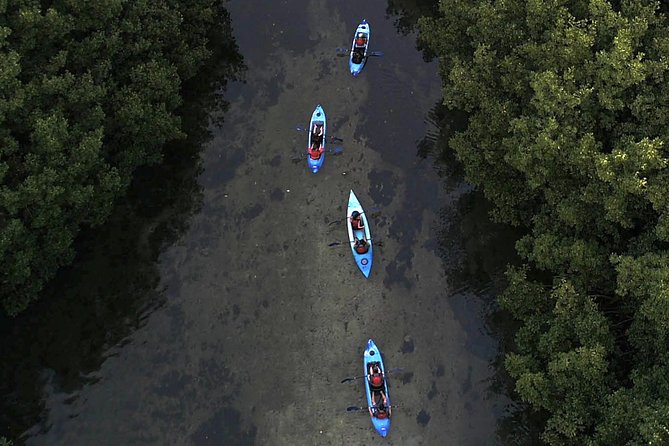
361, 249
360, 41
372, 382
315, 154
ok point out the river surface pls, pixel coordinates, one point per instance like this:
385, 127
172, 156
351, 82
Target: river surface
211, 309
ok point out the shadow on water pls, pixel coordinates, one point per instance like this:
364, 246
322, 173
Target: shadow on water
476, 252
434, 145
407, 12
484, 249
110, 290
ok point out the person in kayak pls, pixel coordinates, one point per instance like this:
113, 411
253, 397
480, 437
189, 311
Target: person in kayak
375, 378
361, 246
316, 148
359, 51
356, 221
380, 410
360, 40
317, 135
383, 411
315, 151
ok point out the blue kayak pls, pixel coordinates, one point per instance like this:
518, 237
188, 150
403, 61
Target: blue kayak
317, 122
358, 56
373, 356
364, 261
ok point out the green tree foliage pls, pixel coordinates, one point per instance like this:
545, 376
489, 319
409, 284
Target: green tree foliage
560, 365
408, 12
568, 104
88, 92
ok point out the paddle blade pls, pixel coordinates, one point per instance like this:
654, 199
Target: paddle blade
337, 150
343, 52
345, 380
354, 408
376, 53
335, 244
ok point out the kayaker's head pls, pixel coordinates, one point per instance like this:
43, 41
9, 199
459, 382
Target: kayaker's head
377, 380
381, 412
355, 214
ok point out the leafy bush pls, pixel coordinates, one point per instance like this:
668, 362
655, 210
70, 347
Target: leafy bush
88, 93
568, 102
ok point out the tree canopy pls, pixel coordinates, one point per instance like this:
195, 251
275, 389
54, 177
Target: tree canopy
568, 104
89, 91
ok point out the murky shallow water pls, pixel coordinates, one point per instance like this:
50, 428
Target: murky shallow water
240, 331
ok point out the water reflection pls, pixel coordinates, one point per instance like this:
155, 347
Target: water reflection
434, 145
475, 252
409, 11
87, 314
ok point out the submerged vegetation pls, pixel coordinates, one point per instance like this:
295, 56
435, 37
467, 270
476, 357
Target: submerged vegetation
89, 93
567, 106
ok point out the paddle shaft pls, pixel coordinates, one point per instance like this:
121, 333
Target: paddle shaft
333, 244
375, 212
330, 137
358, 408
346, 52
397, 369
334, 151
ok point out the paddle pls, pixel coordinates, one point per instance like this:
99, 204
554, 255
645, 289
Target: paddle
377, 243
343, 52
395, 370
373, 213
358, 408
332, 138
334, 151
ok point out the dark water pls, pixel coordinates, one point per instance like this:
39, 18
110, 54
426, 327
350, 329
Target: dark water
211, 309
